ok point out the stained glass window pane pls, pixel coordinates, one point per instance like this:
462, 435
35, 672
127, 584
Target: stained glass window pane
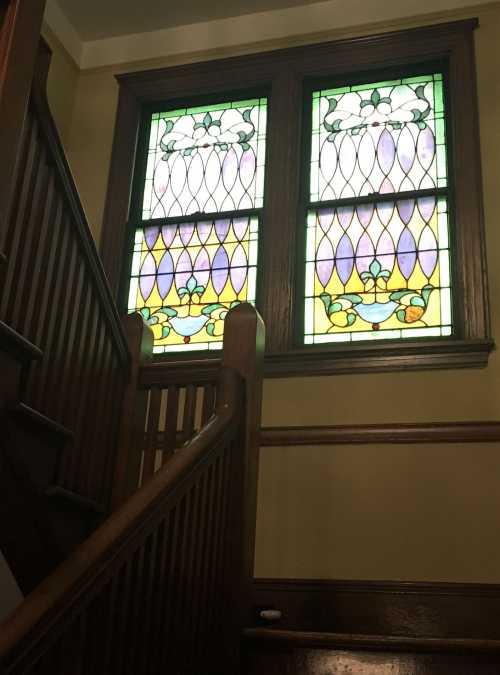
383, 137
186, 277
378, 271
206, 159
381, 269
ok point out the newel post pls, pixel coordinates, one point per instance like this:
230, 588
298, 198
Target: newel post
130, 436
244, 344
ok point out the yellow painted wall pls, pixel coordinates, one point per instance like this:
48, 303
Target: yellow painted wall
418, 512
61, 85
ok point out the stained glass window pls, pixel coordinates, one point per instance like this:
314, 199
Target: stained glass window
377, 251
195, 252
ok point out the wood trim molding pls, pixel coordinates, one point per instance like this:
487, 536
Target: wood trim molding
356, 434
283, 74
389, 608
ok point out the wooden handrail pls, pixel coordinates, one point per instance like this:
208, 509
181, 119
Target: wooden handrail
58, 595
79, 220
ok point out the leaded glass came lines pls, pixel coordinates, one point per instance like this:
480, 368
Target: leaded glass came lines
186, 277
206, 160
378, 269
378, 138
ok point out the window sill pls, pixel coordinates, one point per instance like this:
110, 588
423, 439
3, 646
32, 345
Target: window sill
340, 360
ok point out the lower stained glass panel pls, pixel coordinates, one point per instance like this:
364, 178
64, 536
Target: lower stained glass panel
378, 271
185, 278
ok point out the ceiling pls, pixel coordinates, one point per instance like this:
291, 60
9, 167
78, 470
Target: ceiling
95, 19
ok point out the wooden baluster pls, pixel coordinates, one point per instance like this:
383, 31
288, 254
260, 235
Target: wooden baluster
170, 432
189, 413
208, 403
151, 434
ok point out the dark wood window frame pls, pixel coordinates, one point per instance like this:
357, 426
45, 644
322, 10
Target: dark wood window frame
284, 76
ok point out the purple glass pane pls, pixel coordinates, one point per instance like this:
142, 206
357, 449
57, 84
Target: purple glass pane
325, 217
345, 214
407, 255
238, 270
222, 228
427, 252
405, 209
364, 253
345, 259
151, 235
186, 231
247, 168
426, 206
365, 213
385, 251
202, 268
406, 149
386, 151
183, 270
147, 278
203, 230
219, 279
324, 261
230, 169
425, 148
168, 233
165, 274
220, 260
428, 260
240, 226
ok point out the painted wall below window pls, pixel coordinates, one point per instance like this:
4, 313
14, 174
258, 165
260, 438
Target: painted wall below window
417, 512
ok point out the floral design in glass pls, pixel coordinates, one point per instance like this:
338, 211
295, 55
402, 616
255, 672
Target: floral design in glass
378, 268
206, 160
186, 277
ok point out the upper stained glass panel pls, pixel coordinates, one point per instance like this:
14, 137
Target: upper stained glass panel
206, 159
378, 138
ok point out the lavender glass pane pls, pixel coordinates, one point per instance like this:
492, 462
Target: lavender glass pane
428, 261
186, 231
324, 261
230, 169
238, 271
406, 149
240, 226
364, 253
148, 265
405, 209
365, 214
425, 148
247, 168
386, 187
325, 217
220, 260
203, 229
407, 255
345, 259
168, 233
222, 228
183, 270
147, 278
345, 214
165, 274
151, 235
426, 206
219, 279
324, 269
386, 151
202, 268
385, 251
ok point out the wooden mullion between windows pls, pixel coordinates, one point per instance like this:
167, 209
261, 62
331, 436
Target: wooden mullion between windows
278, 232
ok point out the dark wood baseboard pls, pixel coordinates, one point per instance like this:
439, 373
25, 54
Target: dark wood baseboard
409, 609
